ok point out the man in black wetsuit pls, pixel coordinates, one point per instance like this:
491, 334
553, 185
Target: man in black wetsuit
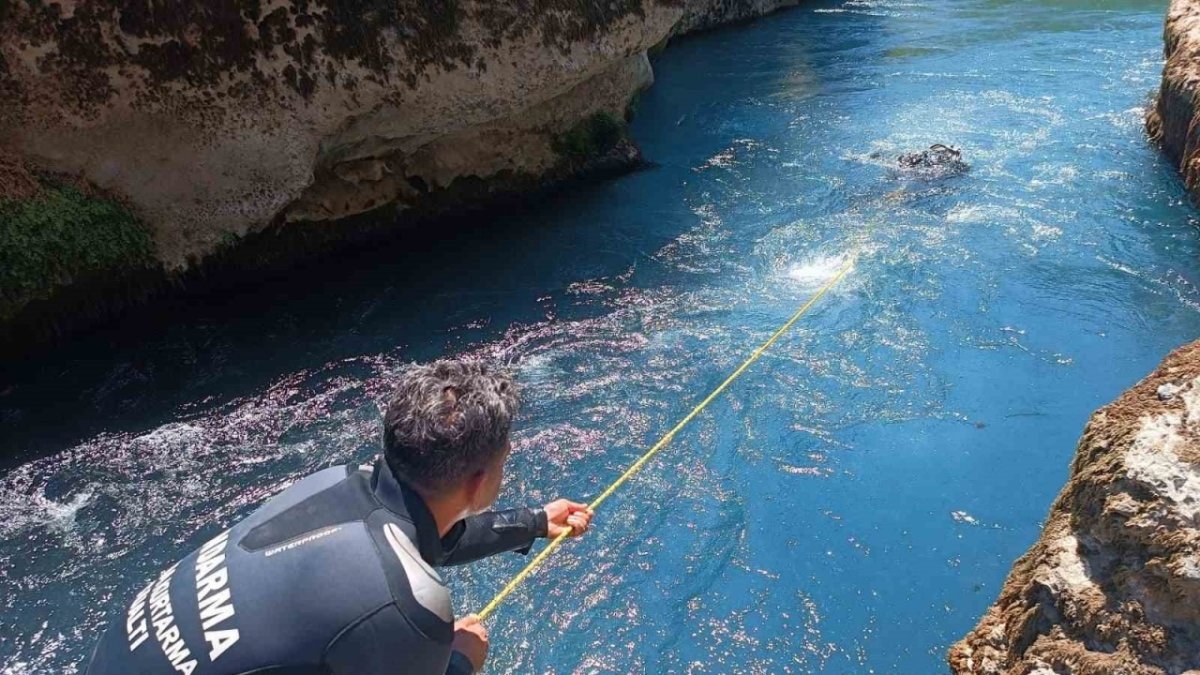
336, 573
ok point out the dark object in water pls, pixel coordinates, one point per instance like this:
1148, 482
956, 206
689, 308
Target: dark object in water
938, 160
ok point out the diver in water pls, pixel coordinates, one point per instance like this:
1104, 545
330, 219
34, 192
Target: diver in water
336, 574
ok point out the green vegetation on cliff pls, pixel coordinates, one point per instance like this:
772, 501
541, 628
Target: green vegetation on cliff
590, 137
63, 235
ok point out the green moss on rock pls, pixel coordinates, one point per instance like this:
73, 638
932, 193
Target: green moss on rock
590, 137
63, 236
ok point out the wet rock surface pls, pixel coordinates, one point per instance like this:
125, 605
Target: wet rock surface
1113, 585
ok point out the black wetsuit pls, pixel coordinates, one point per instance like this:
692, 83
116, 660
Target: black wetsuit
333, 575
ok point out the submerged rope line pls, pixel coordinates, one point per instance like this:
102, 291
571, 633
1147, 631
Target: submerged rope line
666, 439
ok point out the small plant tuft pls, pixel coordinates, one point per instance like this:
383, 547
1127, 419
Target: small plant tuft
63, 235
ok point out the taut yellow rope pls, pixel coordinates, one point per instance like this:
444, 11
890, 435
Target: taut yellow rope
666, 439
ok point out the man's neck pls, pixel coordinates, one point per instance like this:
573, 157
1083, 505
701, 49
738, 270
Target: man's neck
446, 511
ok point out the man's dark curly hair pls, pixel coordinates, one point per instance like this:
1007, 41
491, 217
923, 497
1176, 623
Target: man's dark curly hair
447, 420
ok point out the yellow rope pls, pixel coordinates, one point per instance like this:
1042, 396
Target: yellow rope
666, 439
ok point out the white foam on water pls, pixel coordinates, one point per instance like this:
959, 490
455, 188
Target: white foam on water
1046, 232
21, 512
816, 272
1050, 174
982, 213
964, 518
62, 515
171, 435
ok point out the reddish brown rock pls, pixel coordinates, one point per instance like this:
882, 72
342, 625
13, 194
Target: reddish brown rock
1172, 121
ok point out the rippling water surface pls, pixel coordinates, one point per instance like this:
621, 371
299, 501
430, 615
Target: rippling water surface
855, 501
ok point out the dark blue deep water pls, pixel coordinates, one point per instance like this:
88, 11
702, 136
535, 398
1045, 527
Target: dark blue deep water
855, 501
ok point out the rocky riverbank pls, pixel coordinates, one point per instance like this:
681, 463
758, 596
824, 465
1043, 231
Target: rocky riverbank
215, 139
1172, 119
1113, 585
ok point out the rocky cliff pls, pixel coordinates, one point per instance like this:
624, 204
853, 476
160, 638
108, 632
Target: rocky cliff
1113, 585
209, 124
1171, 121
704, 14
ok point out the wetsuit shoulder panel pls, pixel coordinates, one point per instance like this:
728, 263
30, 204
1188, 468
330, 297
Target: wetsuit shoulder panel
297, 492
345, 501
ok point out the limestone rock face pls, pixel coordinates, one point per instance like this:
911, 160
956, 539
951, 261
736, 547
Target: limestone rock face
217, 118
1172, 120
244, 135
702, 14
1113, 585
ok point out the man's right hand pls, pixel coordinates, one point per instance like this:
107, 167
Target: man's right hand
471, 638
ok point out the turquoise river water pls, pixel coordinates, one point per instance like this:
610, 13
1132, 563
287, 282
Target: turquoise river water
852, 505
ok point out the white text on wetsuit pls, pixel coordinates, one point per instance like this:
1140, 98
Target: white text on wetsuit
212, 593
135, 620
163, 618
